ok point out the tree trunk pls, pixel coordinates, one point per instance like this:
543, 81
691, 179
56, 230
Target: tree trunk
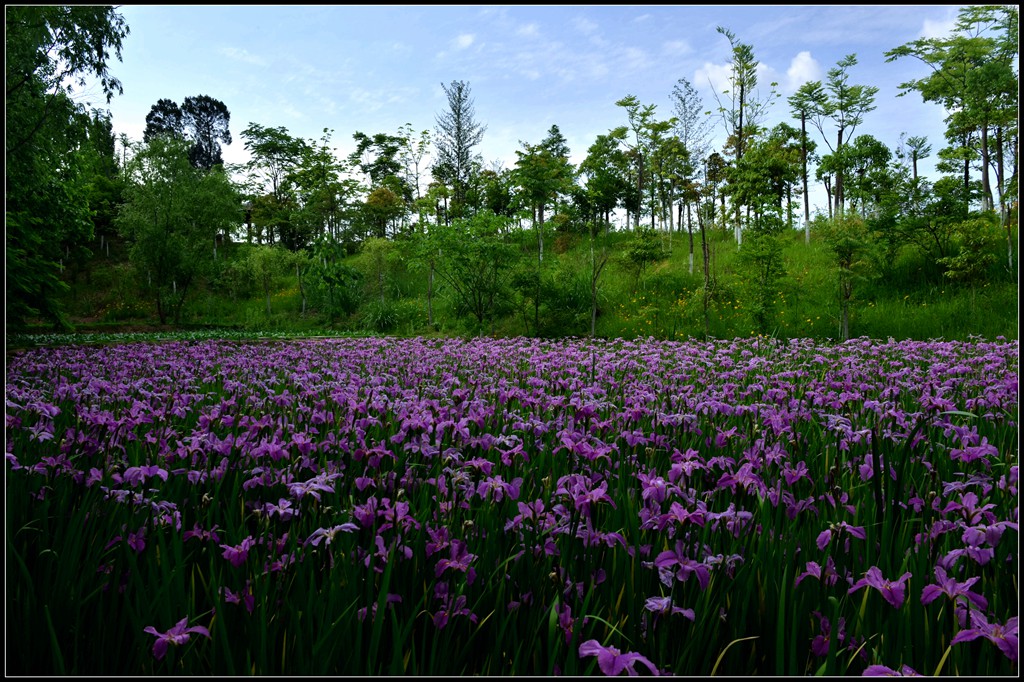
707, 268
986, 186
803, 158
430, 296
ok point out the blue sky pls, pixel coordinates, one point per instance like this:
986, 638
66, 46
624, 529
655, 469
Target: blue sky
373, 69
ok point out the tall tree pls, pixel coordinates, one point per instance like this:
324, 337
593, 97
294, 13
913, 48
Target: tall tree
604, 173
974, 77
693, 129
844, 104
378, 157
325, 194
457, 133
207, 121
802, 105
49, 51
106, 184
644, 127
746, 109
274, 157
202, 119
411, 155
544, 172
164, 118
172, 214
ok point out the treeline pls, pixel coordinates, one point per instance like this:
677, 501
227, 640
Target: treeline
483, 233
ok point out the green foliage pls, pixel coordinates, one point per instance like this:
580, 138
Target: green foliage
335, 286
977, 241
172, 216
475, 260
641, 251
761, 258
266, 264
48, 159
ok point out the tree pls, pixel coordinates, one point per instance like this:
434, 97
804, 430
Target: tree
765, 267
543, 173
769, 170
49, 51
604, 172
324, 194
476, 261
411, 155
206, 120
274, 157
976, 239
378, 158
746, 109
974, 78
334, 286
202, 119
457, 132
844, 104
383, 209
164, 118
172, 213
854, 250
644, 126
867, 160
266, 264
693, 130
802, 105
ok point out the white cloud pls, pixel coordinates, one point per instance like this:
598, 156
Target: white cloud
584, 25
802, 68
463, 41
241, 55
715, 76
938, 29
635, 59
676, 48
528, 31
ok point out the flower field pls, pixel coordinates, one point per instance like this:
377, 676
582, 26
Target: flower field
384, 506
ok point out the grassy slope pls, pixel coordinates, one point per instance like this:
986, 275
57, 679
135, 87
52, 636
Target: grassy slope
906, 301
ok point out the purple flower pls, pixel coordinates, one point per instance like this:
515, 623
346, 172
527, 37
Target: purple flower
686, 565
1003, 636
459, 560
137, 540
952, 589
198, 532
664, 606
893, 591
283, 508
247, 598
882, 671
327, 535
239, 553
136, 476
971, 453
611, 661
179, 634
853, 531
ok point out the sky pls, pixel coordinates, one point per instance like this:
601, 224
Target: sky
375, 68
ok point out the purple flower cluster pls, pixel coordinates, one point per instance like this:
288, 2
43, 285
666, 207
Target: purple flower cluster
425, 455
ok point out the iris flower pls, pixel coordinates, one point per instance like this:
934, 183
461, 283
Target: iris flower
948, 586
893, 591
179, 634
1003, 636
883, 671
611, 661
